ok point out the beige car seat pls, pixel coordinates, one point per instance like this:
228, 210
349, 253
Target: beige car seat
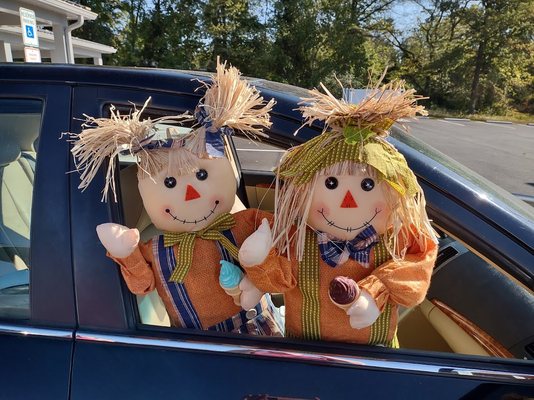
17, 169
151, 308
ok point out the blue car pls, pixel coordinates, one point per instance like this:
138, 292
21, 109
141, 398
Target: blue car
70, 329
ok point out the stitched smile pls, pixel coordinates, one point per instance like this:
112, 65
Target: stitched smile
348, 229
196, 221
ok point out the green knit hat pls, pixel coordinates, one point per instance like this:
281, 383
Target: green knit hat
355, 133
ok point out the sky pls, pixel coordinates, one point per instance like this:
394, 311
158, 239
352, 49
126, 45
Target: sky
405, 14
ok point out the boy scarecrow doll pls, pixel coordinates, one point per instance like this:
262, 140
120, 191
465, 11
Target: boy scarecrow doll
188, 188
352, 240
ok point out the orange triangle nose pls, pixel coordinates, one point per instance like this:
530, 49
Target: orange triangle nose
191, 193
348, 201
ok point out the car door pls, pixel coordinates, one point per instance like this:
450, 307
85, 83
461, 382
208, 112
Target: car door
118, 356
37, 311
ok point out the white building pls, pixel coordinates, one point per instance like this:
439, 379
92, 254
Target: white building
58, 45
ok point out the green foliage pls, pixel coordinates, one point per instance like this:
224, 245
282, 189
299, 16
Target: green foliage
318, 40
471, 55
103, 29
234, 33
466, 55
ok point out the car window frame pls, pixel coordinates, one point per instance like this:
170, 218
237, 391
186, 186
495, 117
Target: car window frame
51, 304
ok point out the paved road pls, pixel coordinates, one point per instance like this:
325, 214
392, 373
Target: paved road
502, 153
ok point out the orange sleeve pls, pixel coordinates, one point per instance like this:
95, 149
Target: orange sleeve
275, 275
136, 269
248, 221
402, 282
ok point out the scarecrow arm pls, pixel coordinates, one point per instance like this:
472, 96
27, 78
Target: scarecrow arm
363, 312
250, 294
268, 271
274, 275
248, 220
256, 247
402, 282
136, 270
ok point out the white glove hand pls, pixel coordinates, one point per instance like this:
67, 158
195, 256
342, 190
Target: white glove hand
363, 312
118, 240
257, 246
250, 294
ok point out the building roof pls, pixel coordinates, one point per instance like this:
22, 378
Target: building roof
82, 47
67, 8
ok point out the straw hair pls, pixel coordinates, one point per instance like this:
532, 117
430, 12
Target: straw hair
230, 101
106, 138
383, 105
353, 138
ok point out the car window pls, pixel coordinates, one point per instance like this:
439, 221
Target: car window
460, 314
20, 122
257, 155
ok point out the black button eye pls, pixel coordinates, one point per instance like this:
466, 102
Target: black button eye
202, 174
170, 182
331, 183
368, 184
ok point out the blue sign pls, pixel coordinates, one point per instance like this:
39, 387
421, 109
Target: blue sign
29, 31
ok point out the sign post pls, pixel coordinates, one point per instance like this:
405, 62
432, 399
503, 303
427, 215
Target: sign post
29, 35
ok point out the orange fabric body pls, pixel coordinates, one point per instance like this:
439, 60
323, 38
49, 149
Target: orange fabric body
398, 283
211, 302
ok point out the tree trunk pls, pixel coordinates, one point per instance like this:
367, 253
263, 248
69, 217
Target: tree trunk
479, 63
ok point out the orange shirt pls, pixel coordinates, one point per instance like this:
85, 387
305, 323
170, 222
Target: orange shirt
402, 283
210, 301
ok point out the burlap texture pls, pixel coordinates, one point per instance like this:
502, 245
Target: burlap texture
211, 302
403, 283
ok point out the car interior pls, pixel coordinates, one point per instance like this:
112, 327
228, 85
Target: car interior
20, 122
459, 315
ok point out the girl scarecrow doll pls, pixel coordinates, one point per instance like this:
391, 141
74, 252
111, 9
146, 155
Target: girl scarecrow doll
352, 240
188, 188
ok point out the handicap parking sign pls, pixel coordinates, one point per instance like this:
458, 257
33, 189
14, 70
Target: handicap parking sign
29, 31
28, 25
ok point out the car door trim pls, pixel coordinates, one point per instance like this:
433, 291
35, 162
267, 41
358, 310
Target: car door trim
25, 330
303, 356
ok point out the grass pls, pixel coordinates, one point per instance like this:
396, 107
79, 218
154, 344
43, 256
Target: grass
511, 116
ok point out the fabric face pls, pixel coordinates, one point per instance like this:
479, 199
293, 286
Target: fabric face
344, 205
189, 203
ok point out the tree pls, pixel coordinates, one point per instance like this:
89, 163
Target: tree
469, 55
317, 39
235, 34
129, 37
495, 27
185, 39
172, 35
103, 29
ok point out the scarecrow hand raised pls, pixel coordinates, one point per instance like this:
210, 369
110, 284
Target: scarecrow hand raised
250, 294
363, 312
257, 246
118, 240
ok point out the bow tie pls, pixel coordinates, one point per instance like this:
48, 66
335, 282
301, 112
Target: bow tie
186, 243
337, 252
